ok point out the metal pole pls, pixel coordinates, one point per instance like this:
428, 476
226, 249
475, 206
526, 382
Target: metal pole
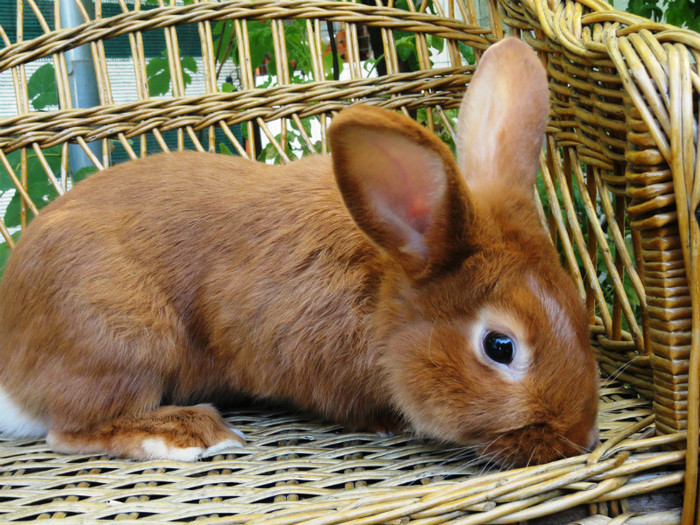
82, 80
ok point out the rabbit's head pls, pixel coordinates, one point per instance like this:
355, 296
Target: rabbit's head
485, 337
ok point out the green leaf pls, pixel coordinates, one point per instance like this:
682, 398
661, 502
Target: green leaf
681, 13
5, 180
297, 47
328, 65
225, 149
83, 173
158, 76
158, 71
306, 124
405, 47
41, 88
271, 79
405, 44
40, 194
261, 44
225, 42
219, 27
189, 64
39, 188
227, 87
5, 252
646, 8
12, 212
436, 43
466, 52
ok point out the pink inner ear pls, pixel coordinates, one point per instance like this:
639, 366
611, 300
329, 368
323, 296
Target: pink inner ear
419, 213
404, 182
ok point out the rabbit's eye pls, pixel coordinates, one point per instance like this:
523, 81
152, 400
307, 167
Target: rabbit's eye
499, 347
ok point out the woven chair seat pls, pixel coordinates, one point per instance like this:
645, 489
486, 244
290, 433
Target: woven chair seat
295, 469
617, 188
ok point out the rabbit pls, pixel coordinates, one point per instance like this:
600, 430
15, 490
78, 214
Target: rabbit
386, 287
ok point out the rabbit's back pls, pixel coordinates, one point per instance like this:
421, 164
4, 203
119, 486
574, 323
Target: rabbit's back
207, 274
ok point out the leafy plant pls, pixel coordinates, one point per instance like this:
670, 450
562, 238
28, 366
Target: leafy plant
5, 252
83, 173
40, 190
440, 129
681, 13
602, 273
42, 89
158, 71
262, 47
295, 142
42, 92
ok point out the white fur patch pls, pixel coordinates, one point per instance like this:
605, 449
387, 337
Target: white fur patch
237, 432
17, 423
556, 313
156, 448
220, 447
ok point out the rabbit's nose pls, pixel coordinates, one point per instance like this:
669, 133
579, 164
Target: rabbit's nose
593, 438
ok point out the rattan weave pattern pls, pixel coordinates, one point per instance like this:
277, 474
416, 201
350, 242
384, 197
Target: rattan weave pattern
618, 192
653, 68
294, 469
412, 90
131, 22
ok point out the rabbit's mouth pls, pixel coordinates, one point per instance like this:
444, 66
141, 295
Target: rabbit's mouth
535, 444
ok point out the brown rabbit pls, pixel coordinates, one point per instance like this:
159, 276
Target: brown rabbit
385, 287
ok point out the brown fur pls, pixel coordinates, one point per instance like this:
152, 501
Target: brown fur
198, 426
193, 277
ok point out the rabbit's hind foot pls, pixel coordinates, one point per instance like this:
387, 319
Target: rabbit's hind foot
169, 432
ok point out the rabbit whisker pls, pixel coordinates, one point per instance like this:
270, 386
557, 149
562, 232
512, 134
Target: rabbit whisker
618, 372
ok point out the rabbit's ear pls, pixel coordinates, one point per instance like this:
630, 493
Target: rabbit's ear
503, 117
402, 187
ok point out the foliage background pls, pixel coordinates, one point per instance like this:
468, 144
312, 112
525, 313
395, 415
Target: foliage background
682, 13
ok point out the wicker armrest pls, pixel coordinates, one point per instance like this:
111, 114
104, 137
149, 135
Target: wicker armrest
626, 100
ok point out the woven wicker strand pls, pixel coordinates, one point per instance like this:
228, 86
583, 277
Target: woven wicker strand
619, 197
659, 81
334, 477
59, 41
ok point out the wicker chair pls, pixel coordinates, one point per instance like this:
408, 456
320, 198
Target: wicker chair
619, 193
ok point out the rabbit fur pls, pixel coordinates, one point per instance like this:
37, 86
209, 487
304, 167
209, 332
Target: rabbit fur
360, 286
